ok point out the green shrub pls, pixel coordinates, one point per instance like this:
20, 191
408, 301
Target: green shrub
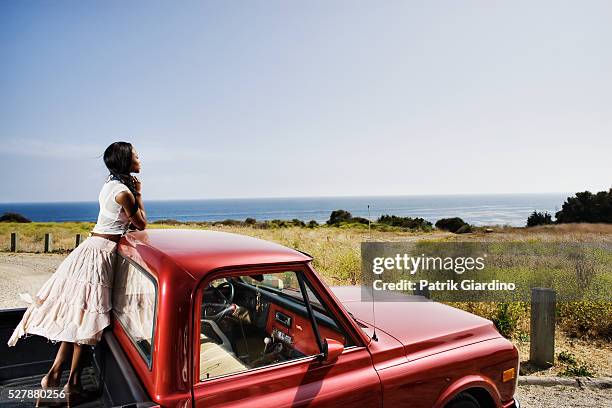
298, 223
168, 221
587, 207
572, 367
279, 223
586, 319
450, 224
250, 221
228, 222
538, 218
566, 358
581, 370
337, 216
405, 222
506, 319
359, 220
312, 224
13, 217
352, 225
465, 229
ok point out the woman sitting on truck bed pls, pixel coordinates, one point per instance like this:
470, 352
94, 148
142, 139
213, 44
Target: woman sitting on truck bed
73, 306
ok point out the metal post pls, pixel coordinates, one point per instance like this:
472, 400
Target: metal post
422, 292
77, 240
543, 307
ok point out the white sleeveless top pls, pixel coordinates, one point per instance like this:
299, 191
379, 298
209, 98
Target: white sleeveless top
112, 219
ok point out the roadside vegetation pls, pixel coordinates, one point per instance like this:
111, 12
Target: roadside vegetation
583, 207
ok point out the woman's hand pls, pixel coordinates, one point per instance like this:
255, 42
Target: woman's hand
137, 184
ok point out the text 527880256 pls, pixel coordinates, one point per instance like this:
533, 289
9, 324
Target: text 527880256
32, 393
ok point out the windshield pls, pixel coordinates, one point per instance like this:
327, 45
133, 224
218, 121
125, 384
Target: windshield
285, 283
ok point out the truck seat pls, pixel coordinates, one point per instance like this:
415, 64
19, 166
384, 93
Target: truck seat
218, 359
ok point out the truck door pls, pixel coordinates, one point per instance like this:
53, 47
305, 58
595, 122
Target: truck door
262, 342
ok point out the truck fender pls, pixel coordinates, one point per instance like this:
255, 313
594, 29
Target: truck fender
464, 383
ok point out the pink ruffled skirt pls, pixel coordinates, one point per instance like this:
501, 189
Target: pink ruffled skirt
74, 304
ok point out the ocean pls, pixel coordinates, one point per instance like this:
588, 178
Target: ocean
499, 209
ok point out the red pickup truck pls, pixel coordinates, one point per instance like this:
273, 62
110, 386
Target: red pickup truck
212, 319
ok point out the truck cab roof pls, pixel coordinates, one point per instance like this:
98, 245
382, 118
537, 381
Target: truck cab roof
198, 252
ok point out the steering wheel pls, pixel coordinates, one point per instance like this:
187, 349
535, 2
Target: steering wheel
224, 304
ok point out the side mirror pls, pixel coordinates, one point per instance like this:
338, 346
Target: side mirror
331, 350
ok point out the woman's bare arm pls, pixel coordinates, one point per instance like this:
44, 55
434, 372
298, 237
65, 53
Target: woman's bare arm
134, 208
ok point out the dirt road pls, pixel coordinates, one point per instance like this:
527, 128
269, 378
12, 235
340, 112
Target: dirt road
24, 273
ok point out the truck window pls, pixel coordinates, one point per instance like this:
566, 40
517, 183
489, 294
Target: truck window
135, 305
252, 321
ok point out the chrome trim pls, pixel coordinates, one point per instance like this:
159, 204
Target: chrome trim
517, 404
283, 319
281, 363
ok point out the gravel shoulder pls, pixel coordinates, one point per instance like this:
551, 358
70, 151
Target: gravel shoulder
24, 273
534, 396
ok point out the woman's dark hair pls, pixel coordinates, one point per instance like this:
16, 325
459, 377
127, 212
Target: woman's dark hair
118, 160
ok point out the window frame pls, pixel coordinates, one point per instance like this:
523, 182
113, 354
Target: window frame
300, 269
148, 361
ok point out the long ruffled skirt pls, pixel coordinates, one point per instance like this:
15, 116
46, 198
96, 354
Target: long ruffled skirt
74, 304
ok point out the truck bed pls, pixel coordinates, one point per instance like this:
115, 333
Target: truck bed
92, 397
108, 378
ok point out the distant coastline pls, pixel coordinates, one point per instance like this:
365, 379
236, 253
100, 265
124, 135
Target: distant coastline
482, 209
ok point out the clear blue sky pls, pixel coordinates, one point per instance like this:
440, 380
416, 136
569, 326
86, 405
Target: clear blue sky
285, 98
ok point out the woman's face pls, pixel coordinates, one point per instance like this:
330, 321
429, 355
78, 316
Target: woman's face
135, 168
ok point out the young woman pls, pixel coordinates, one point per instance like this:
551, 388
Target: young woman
73, 306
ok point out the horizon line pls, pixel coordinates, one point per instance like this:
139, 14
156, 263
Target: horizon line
300, 197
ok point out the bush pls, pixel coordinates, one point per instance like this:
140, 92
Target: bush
572, 367
405, 222
451, 224
507, 318
338, 216
587, 207
228, 222
298, 223
168, 221
586, 319
538, 218
250, 221
312, 224
465, 229
566, 358
359, 220
344, 218
13, 217
575, 370
279, 223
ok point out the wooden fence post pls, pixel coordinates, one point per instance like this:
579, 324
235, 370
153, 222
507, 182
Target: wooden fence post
77, 240
48, 242
14, 241
422, 292
543, 308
